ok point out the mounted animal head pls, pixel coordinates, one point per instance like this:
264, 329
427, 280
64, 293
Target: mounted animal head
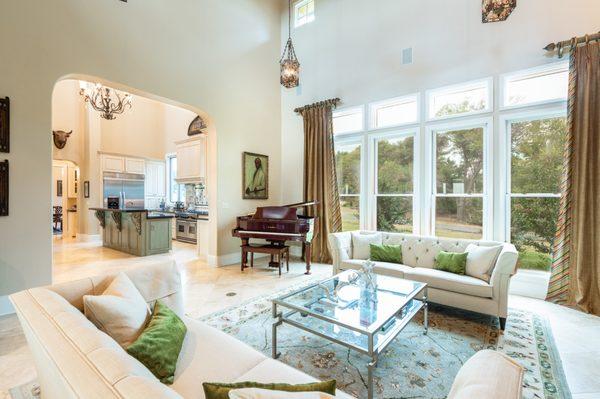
60, 138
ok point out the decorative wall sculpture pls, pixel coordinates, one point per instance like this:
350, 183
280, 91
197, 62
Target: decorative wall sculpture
497, 10
60, 138
196, 126
4, 124
4, 188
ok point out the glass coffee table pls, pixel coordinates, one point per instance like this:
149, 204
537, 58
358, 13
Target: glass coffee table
342, 313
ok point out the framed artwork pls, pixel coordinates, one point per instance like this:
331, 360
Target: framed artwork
4, 124
255, 176
59, 188
497, 10
86, 189
4, 188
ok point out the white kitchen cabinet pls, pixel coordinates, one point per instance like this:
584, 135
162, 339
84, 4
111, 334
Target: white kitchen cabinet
155, 184
72, 181
135, 165
113, 163
191, 160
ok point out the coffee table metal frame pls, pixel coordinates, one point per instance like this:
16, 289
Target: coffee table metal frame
373, 350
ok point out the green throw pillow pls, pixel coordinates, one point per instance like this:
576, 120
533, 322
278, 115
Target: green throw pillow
386, 253
213, 390
451, 262
158, 346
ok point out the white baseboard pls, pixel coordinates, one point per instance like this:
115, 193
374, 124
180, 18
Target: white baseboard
530, 283
6, 306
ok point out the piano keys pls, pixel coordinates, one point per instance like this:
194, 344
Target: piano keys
277, 225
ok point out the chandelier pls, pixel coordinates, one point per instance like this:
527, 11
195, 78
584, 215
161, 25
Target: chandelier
289, 65
105, 100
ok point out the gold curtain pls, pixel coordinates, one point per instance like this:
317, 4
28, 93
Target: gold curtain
320, 179
576, 265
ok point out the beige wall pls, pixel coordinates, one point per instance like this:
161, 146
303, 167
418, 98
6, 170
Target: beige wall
216, 56
353, 51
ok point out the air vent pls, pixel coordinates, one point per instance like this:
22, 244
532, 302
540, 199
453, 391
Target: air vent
407, 56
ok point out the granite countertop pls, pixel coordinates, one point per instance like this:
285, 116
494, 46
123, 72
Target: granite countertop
159, 215
119, 210
149, 214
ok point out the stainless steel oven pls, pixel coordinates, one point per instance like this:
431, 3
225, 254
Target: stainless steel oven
186, 230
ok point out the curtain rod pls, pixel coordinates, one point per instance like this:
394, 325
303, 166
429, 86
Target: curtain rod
571, 43
332, 101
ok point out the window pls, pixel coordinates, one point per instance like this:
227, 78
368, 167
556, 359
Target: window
459, 182
394, 112
536, 156
536, 86
176, 190
304, 12
348, 120
394, 189
348, 165
459, 100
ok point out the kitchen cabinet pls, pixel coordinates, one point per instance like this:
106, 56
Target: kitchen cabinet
111, 163
191, 160
135, 165
156, 190
72, 181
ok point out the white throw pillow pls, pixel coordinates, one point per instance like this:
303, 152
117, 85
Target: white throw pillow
120, 311
481, 260
361, 242
257, 393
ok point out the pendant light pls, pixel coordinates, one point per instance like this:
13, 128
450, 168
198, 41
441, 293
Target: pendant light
289, 65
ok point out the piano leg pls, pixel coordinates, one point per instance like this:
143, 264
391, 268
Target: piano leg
245, 242
307, 256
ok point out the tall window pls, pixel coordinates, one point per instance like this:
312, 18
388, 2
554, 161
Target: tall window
536, 154
536, 86
459, 183
349, 120
459, 100
348, 161
176, 190
394, 189
304, 12
394, 112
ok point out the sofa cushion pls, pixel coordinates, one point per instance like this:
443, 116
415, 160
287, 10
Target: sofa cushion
386, 253
209, 355
452, 262
120, 311
256, 393
481, 260
214, 390
450, 281
383, 268
361, 244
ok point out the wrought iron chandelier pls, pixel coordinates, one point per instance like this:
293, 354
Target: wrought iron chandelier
105, 100
289, 65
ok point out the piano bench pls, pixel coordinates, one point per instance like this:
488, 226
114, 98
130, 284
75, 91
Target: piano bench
272, 249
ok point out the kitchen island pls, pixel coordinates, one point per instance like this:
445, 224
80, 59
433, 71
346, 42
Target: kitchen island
135, 231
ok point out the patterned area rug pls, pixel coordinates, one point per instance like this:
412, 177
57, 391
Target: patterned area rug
414, 365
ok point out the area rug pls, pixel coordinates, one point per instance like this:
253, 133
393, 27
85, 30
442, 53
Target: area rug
414, 365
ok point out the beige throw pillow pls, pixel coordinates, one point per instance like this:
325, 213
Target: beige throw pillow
481, 260
120, 311
361, 244
257, 393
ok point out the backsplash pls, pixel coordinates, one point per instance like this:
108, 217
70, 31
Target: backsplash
195, 194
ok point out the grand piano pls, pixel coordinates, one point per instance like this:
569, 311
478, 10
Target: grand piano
278, 224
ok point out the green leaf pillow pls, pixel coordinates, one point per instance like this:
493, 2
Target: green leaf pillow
214, 390
452, 262
386, 253
158, 346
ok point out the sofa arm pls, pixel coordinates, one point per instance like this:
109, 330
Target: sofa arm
501, 274
340, 245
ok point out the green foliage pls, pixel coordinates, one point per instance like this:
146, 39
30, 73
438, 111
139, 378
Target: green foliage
534, 260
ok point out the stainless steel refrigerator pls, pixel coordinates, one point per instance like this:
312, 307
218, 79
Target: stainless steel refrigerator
128, 187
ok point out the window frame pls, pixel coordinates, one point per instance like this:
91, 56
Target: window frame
505, 124
348, 110
488, 176
371, 110
362, 206
374, 194
296, 5
505, 78
168, 158
430, 93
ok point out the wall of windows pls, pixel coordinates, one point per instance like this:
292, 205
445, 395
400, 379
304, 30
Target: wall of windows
465, 166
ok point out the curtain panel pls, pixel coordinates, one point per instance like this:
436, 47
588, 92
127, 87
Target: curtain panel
320, 179
575, 276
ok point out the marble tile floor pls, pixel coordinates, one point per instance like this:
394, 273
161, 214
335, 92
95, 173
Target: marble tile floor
577, 335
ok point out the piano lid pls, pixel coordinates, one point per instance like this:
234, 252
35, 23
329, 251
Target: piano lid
286, 212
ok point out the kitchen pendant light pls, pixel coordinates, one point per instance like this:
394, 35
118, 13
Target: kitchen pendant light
289, 65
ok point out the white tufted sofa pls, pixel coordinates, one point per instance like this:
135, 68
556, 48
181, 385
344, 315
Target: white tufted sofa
418, 255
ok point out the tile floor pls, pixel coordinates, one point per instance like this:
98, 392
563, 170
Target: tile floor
577, 335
